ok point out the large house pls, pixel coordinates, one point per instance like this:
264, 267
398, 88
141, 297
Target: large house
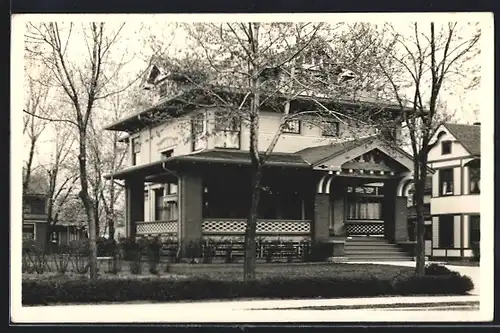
455, 199
189, 178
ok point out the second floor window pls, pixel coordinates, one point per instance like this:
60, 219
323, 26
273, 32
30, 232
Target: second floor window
292, 126
446, 181
474, 178
136, 149
330, 128
197, 130
228, 130
166, 154
445, 147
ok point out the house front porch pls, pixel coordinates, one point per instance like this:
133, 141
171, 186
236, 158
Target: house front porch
207, 196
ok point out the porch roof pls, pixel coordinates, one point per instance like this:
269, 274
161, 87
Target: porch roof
289, 160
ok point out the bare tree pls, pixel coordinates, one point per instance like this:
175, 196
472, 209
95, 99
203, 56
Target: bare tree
428, 60
243, 68
106, 156
62, 173
83, 66
37, 96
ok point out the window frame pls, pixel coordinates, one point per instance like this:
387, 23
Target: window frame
136, 149
325, 133
34, 230
166, 152
287, 129
230, 127
196, 135
450, 182
474, 171
446, 143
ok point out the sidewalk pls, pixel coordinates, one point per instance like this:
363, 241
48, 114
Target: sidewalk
300, 310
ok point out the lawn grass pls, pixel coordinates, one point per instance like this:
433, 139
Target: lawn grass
235, 271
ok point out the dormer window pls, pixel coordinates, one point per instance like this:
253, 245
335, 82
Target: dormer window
445, 147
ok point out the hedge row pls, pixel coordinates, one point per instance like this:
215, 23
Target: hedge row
156, 289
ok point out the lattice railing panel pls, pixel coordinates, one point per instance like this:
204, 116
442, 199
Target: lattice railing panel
233, 226
157, 227
365, 228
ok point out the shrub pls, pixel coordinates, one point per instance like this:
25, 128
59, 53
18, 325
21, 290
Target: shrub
319, 252
208, 251
451, 284
79, 251
61, 260
106, 247
153, 250
156, 289
193, 250
436, 269
130, 248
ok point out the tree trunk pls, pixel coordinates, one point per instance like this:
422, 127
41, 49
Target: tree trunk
251, 227
27, 175
111, 228
87, 203
420, 181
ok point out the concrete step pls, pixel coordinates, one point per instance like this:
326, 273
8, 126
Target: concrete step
375, 246
349, 250
375, 258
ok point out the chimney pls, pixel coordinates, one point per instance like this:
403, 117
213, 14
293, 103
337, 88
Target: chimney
477, 124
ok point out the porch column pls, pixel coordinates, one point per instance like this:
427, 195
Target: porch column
134, 196
191, 204
321, 217
395, 212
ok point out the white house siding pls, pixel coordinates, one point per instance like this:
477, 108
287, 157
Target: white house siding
457, 234
169, 135
466, 185
435, 231
462, 204
310, 135
465, 231
457, 180
457, 150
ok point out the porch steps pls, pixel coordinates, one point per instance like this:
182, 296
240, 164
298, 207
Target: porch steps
373, 249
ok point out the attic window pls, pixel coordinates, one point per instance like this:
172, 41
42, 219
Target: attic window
445, 147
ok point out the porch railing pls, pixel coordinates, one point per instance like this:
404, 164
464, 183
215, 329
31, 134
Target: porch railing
221, 226
156, 227
364, 228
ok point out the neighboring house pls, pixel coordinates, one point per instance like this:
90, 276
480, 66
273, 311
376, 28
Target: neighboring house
455, 200
189, 177
35, 226
35, 218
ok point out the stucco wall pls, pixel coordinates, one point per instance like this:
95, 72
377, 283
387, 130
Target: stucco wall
455, 204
